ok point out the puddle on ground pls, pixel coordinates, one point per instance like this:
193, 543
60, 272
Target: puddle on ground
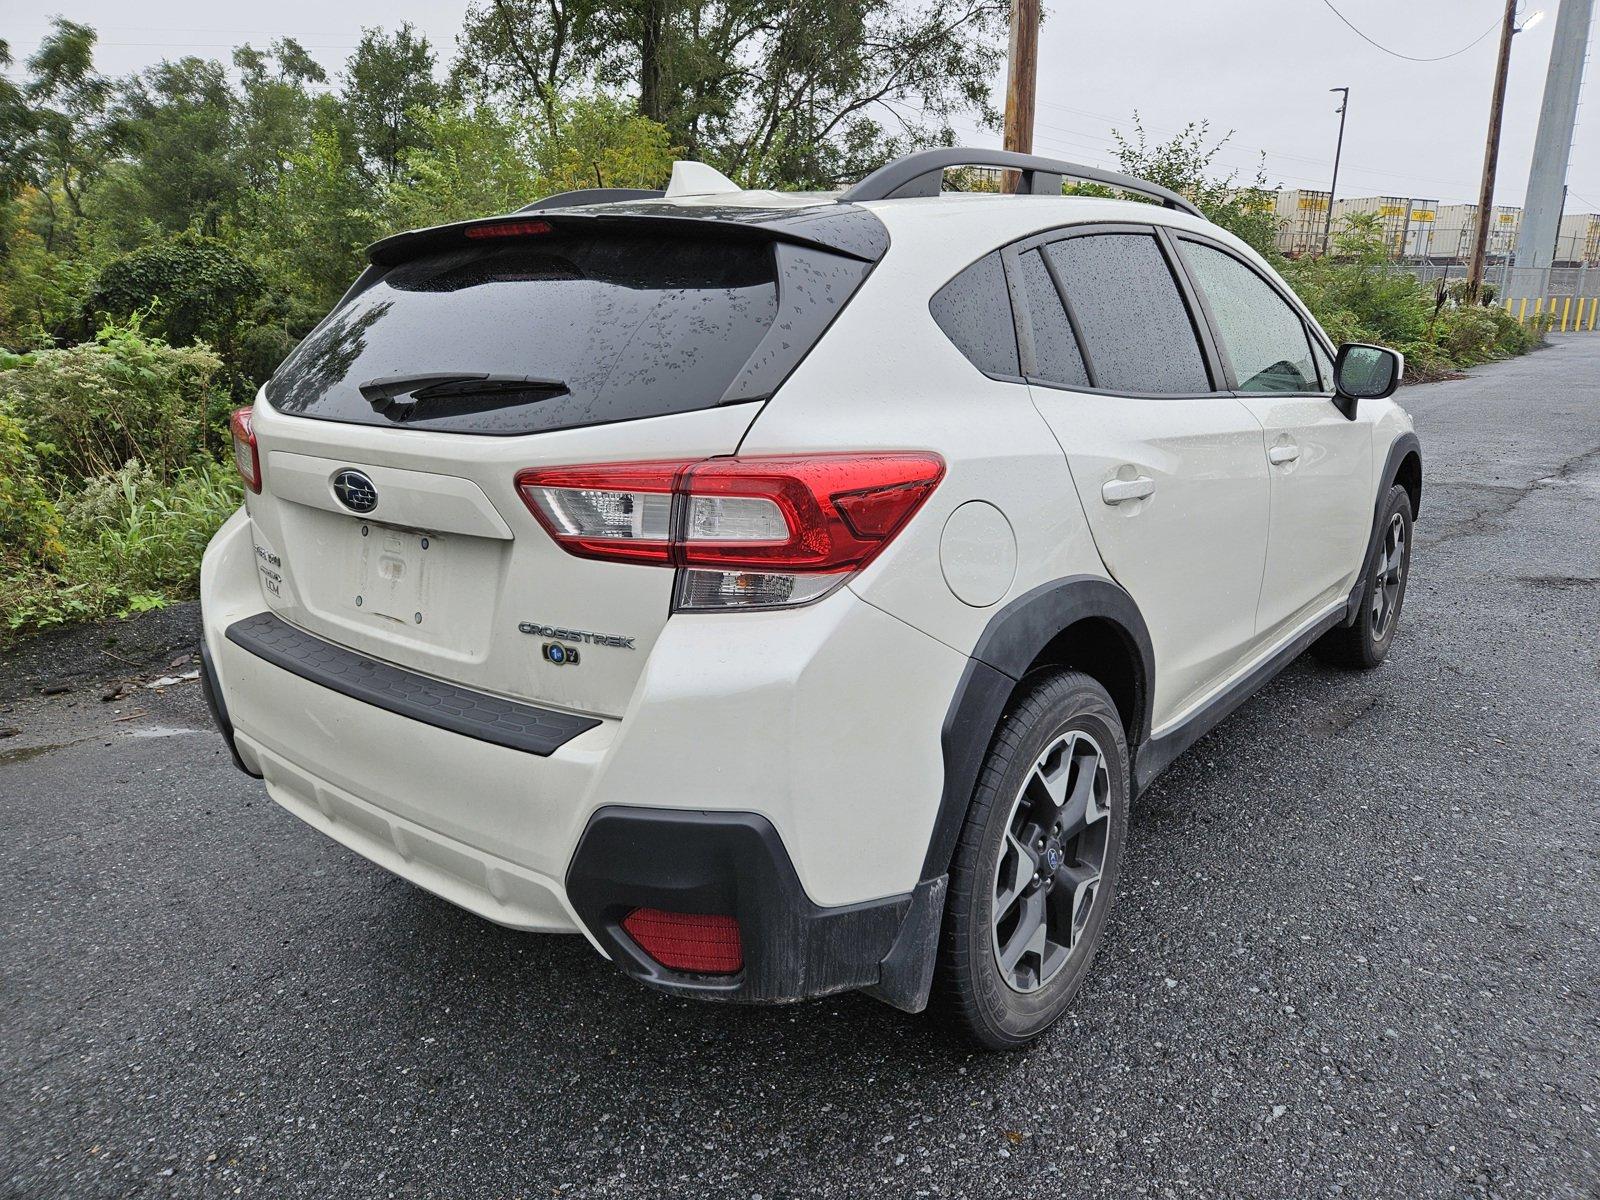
24, 753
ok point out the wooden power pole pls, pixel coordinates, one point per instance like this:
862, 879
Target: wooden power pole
1491, 154
1021, 82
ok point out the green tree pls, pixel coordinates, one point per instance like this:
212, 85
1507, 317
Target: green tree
64, 132
307, 230
274, 110
388, 81
477, 161
773, 91
1183, 163
185, 170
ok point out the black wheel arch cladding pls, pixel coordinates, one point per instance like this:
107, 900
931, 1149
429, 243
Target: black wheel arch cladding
1402, 466
1011, 643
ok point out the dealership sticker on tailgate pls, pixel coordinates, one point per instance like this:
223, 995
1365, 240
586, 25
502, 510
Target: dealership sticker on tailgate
270, 568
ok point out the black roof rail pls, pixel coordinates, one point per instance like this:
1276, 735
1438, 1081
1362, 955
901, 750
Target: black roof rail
600, 195
921, 174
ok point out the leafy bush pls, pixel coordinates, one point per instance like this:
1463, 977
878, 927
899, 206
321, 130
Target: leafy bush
93, 407
136, 532
132, 542
30, 526
190, 287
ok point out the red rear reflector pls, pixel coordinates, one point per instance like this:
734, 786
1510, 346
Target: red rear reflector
697, 943
509, 229
245, 455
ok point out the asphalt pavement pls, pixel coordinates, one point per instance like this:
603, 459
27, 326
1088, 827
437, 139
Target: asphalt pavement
1356, 951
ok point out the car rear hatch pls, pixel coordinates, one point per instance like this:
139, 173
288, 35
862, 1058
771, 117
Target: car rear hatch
388, 519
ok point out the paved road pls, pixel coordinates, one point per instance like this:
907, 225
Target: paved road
1356, 953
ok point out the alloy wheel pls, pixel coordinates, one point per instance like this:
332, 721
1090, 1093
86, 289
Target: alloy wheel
1049, 872
1388, 575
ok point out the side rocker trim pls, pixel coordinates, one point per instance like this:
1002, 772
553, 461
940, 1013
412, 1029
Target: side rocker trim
1013, 639
1157, 754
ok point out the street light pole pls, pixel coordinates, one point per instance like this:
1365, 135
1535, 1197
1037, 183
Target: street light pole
1491, 154
1338, 150
1021, 82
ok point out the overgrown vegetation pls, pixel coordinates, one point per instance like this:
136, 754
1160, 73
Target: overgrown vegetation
167, 238
110, 485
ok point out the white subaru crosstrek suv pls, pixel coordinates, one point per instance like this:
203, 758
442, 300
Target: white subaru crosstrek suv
790, 593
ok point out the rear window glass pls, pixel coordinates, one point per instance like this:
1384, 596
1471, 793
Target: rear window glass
974, 310
539, 333
1135, 324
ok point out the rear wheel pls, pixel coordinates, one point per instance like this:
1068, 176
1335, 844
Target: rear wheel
1036, 866
1365, 643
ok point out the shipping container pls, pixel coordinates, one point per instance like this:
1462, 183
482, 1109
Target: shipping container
1301, 215
1578, 242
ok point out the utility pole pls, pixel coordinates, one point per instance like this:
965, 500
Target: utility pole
1333, 184
1491, 154
1552, 149
1021, 82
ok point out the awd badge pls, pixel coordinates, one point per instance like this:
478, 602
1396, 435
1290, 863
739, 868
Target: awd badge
558, 655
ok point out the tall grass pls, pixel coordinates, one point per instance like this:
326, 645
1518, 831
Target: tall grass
133, 542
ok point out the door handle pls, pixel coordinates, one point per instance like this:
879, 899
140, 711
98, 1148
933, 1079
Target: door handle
1120, 491
1279, 455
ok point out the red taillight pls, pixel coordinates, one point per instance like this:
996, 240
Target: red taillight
840, 509
810, 514
245, 455
617, 511
697, 943
509, 229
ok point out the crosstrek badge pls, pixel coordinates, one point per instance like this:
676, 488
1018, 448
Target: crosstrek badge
576, 635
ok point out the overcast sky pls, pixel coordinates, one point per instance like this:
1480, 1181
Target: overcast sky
1258, 67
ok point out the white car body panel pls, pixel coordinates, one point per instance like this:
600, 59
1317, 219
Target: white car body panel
1191, 553
1321, 505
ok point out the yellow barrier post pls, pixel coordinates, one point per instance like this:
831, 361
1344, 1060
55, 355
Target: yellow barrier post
1522, 312
1566, 307
1594, 310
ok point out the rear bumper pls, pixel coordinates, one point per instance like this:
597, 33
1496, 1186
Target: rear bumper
789, 782
734, 864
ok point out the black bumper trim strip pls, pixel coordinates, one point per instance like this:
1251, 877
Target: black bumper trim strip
492, 719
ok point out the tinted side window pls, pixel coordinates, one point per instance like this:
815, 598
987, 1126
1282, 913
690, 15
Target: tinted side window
974, 310
1265, 338
1055, 350
1135, 325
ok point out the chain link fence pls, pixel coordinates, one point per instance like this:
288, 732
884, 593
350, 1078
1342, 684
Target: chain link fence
1568, 296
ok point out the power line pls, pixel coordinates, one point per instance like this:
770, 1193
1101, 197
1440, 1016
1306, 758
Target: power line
1408, 57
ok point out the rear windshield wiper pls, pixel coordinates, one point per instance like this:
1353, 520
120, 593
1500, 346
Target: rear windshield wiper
404, 396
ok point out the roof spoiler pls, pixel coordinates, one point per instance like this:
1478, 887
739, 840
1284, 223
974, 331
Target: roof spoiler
596, 195
922, 174
841, 229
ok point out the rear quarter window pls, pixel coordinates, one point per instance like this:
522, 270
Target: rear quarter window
974, 311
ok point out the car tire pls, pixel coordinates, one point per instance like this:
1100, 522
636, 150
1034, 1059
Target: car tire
1040, 850
1365, 643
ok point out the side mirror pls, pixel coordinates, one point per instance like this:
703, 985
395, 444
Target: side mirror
1362, 372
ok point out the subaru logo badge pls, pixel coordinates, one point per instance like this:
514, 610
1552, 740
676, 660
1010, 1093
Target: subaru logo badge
355, 491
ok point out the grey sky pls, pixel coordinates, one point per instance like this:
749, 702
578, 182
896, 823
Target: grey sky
1259, 67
